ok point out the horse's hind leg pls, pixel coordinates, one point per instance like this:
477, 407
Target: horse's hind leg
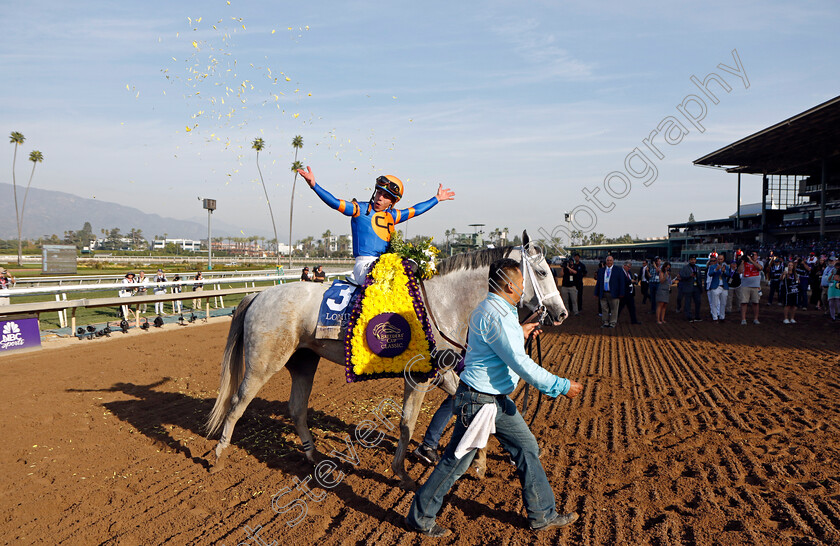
250, 386
412, 402
302, 367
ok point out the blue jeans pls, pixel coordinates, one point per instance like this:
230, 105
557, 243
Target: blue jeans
513, 434
689, 298
439, 421
803, 293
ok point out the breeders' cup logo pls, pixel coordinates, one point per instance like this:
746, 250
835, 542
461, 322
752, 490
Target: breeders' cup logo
384, 331
388, 334
11, 336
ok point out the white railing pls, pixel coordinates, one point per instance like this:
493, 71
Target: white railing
98, 279
61, 303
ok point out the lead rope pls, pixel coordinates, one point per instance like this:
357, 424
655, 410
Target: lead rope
529, 349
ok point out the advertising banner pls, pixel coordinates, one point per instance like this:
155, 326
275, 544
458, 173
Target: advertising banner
19, 333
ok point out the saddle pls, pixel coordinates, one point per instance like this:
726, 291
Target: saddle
334, 313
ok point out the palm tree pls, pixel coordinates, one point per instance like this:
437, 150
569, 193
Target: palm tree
297, 144
258, 145
326, 237
35, 157
17, 139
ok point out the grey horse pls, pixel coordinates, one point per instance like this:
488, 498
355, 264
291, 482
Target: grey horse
276, 329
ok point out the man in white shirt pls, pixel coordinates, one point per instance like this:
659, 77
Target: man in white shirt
609, 289
127, 292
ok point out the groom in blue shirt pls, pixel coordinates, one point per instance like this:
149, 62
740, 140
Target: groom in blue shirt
494, 363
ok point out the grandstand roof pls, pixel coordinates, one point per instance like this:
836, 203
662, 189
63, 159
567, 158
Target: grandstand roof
796, 145
627, 246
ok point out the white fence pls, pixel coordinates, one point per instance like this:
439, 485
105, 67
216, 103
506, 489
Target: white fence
209, 277
62, 304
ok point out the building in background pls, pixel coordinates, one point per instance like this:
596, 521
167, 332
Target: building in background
189, 245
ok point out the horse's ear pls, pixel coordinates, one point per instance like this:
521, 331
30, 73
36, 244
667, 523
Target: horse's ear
525, 238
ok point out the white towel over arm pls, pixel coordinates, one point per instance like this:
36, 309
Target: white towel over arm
479, 431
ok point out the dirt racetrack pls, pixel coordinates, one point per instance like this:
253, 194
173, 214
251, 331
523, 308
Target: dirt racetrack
684, 434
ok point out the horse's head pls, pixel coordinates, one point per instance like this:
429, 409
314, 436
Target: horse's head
539, 288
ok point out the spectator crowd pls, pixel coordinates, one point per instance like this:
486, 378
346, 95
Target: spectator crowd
138, 286
731, 284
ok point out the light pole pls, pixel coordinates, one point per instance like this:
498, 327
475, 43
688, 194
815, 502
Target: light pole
210, 205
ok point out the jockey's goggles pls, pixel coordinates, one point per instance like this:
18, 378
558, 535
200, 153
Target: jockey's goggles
389, 186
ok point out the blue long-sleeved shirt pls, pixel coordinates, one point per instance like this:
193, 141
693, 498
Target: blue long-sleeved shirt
825, 280
371, 230
718, 276
496, 357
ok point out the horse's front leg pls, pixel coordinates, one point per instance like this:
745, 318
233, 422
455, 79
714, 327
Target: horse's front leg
412, 401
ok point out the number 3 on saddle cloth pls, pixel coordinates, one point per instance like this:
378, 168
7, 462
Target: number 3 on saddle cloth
384, 322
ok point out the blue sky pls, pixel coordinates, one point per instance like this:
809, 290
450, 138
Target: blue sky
516, 106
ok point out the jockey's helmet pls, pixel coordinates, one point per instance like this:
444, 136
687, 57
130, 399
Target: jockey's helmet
391, 185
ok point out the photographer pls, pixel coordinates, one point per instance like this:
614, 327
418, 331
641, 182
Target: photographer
733, 301
569, 289
750, 268
776, 268
717, 287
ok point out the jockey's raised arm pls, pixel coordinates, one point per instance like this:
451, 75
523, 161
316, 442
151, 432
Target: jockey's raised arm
372, 223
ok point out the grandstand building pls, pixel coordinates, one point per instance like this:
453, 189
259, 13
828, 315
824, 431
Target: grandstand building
798, 160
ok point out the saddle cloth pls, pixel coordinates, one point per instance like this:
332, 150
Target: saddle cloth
334, 313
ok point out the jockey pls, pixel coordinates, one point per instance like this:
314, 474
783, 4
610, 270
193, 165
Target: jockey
372, 224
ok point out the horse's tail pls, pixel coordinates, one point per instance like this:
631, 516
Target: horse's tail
233, 368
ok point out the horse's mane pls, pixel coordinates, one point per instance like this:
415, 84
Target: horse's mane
473, 260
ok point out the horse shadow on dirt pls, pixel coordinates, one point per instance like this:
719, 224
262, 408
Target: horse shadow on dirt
265, 431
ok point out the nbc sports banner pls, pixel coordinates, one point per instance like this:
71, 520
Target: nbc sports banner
19, 332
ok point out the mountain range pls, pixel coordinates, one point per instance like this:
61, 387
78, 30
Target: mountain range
54, 212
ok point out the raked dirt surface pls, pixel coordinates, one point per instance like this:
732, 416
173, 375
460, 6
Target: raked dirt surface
684, 434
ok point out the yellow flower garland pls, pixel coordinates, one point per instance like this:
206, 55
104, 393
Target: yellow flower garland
388, 294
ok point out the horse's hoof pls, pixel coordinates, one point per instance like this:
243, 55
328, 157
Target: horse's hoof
408, 484
478, 471
219, 465
313, 457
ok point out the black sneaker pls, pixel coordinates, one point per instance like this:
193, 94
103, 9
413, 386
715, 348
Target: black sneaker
427, 454
436, 531
560, 521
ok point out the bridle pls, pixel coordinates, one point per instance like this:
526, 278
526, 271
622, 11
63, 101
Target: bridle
527, 270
